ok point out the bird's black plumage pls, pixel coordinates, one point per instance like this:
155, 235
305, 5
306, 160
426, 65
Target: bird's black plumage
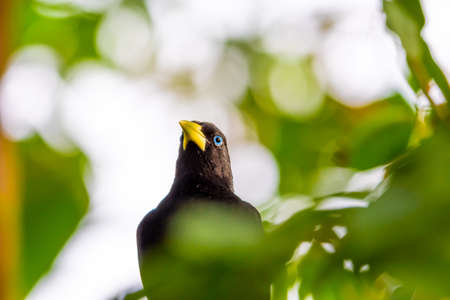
202, 175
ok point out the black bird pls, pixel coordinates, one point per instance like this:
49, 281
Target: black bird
203, 174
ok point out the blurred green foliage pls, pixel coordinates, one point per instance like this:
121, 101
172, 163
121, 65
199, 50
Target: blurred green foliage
357, 138
396, 248
406, 19
212, 253
71, 33
406, 231
54, 199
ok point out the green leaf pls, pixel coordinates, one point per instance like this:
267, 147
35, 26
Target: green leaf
381, 137
300, 147
402, 293
406, 19
78, 30
209, 231
54, 201
280, 286
211, 252
378, 145
406, 231
310, 270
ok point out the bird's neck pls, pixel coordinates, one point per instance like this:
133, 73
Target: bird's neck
200, 183
203, 172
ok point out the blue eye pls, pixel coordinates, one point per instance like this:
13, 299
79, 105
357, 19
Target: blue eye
218, 141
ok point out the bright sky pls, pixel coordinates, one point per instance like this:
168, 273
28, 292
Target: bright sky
128, 125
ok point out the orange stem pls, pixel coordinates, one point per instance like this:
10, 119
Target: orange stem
9, 198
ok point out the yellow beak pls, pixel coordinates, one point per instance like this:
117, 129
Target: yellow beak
193, 132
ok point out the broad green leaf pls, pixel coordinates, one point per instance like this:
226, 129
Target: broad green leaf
406, 231
212, 252
379, 144
381, 137
211, 231
54, 199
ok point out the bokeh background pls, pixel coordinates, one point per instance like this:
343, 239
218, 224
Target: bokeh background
315, 97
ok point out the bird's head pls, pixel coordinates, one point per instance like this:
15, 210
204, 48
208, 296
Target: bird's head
203, 152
